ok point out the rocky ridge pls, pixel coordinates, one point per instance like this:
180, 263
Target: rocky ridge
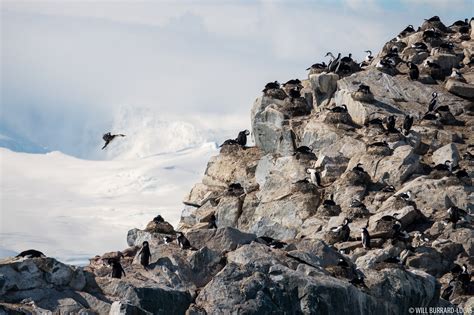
275, 249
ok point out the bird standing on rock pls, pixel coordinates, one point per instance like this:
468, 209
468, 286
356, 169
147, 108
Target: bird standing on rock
365, 238
117, 269
145, 255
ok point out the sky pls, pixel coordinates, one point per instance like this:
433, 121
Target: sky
69, 68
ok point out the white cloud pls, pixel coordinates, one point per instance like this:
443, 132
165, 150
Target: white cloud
67, 62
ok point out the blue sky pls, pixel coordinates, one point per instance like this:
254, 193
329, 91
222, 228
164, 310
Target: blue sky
68, 66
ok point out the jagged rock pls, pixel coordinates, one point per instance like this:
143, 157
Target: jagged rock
228, 211
269, 127
136, 237
150, 297
429, 260
397, 208
222, 239
323, 86
205, 264
447, 152
432, 193
280, 289
394, 95
464, 236
33, 273
238, 167
395, 168
461, 89
327, 256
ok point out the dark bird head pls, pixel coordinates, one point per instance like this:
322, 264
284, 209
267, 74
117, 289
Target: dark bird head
145, 244
246, 132
369, 52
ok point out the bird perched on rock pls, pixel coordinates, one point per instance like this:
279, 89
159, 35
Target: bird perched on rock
456, 75
145, 254
405, 195
183, 242
342, 232
240, 140
315, 178
365, 238
270, 242
117, 269
407, 124
339, 109
317, 67
31, 253
271, 85
455, 214
432, 103
158, 219
414, 72
389, 124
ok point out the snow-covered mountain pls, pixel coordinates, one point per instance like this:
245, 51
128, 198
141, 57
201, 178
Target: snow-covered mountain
74, 208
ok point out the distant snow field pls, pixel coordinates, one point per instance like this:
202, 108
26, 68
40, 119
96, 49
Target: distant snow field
74, 209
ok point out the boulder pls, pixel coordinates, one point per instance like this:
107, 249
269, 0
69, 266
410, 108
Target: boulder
323, 86
447, 152
222, 239
460, 89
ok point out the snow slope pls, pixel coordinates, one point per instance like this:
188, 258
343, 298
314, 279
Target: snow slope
73, 209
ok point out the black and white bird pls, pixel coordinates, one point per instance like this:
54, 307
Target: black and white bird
31, 253
455, 215
359, 168
432, 103
304, 150
240, 140
364, 89
314, 176
419, 46
433, 19
446, 166
456, 75
409, 29
365, 238
330, 201
389, 124
369, 56
413, 72
270, 242
407, 124
339, 109
343, 231
108, 137
183, 242
318, 66
271, 86
405, 195
167, 240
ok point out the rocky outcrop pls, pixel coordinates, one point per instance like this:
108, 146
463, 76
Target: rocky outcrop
275, 228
